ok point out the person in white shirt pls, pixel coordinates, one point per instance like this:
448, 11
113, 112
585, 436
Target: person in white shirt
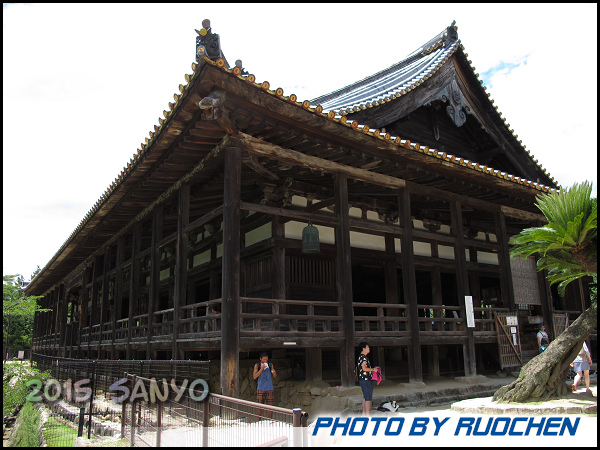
582, 364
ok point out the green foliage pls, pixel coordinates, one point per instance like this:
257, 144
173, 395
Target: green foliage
17, 313
57, 434
28, 432
567, 245
15, 376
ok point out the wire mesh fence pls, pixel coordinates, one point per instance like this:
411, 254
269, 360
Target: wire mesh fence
194, 418
161, 403
96, 386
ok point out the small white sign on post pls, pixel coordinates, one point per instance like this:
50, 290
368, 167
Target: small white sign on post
469, 311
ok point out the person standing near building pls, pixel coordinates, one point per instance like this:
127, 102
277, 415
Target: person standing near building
265, 392
365, 373
542, 338
580, 364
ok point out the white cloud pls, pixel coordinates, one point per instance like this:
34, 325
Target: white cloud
84, 84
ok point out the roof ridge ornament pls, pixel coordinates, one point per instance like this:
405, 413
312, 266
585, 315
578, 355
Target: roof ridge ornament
208, 43
451, 34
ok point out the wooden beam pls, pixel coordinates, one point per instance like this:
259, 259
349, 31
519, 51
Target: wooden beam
262, 148
291, 213
202, 220
524, 215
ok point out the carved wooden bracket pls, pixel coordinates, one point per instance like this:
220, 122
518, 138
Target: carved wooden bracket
212, 105
458, 107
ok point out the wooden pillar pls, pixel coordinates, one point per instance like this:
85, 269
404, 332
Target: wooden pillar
415, 368
104, 300
230, 284
83, 312
380, 351
118, 294
134, 282
391, 274
278, 260
181, 258
506, 286
462, 284
546, 300
94, 312
278, 270
436, 294
62, 299
314, 364
153, 296
343, 277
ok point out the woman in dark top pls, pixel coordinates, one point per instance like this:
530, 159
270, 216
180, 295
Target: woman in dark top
365, 372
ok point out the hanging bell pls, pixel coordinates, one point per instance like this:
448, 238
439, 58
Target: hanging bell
310, 239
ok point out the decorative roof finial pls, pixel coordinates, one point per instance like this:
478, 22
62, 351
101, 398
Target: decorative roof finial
208, 43
451, 34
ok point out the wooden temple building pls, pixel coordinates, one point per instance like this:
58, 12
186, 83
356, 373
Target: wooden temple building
412, 179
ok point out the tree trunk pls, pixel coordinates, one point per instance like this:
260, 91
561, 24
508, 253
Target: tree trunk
544, 376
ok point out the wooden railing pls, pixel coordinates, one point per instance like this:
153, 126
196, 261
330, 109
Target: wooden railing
384, 319
139, 329
291, 318
266, 316
200, 320
122, 326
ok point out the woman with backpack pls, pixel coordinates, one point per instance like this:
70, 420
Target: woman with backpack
364, 373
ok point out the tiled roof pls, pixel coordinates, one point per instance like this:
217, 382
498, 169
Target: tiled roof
378, 134
393, 81
403, 77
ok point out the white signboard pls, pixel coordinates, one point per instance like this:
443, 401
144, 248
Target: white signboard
513, 330
511, 320
469, 311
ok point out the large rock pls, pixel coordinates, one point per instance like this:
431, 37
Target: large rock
244, 385
328, 405
344, 392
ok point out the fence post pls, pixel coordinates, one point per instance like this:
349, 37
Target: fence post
123, 419
304, 429
133, 406
158, 421
92, 399
81, 420
205, 420
297, 424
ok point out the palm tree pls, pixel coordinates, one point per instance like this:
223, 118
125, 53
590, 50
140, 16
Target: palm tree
567, 249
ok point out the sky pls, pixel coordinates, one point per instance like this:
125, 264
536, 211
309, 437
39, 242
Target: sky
84, 84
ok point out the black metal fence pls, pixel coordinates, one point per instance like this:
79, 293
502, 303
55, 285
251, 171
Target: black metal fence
193, 417
94, 384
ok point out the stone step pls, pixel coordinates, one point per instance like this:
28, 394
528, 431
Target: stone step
425, 398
